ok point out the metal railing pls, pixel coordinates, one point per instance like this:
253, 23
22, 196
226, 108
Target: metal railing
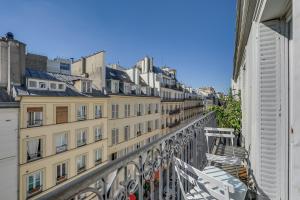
34, 123
176, 139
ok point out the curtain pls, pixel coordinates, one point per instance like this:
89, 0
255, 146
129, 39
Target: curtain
32, 147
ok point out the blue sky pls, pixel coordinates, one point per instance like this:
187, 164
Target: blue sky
194, 36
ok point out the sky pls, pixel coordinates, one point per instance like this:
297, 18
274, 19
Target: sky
196, 37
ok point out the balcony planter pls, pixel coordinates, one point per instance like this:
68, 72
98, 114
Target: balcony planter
61, 179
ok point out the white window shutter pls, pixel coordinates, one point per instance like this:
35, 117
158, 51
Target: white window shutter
270, 165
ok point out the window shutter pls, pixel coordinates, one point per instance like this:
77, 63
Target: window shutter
271, 149
61, 114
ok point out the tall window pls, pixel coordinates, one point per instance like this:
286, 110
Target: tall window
149, 125
140, 109
98, 134
98, 111
34, 149
61, 172
61, 114
156, 124
61, 142
114, 136
98, 156
81, 163
35, 116
156, 108
82, 112
81, 137
114, 111
86, 86
126, 133
34, 183
127, 110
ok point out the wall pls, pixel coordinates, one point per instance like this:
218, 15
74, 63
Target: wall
37, 62
294, 105
9, 153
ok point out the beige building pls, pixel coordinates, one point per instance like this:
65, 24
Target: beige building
63, 131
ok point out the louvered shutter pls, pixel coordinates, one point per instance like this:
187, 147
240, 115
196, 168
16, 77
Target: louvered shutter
61, 114
269, 109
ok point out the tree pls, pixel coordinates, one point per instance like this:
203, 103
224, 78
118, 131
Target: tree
229, 114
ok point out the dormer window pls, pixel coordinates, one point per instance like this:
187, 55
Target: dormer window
61, 86
42, 85
86, 86
32, 84
53, 86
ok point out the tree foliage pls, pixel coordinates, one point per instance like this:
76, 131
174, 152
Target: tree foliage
229, 114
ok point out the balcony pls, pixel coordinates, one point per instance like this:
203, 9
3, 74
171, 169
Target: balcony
61, 148
139, 133
98, 115
176, 123
81, 117
174, 112
81, 142
81, 169
34, 123
98, 137
34, 156
98, 162
34, 191
61, 179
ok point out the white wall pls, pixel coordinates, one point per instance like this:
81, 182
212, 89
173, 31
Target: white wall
295, 106
8, 153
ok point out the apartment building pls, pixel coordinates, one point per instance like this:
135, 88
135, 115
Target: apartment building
9, 123
177, 101
134, 114
63, 130
266, 73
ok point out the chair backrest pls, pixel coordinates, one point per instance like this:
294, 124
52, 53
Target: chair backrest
215, 188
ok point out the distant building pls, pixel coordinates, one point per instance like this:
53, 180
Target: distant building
9, 123
59, 65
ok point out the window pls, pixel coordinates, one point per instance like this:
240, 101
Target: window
156, 124
149, 108
32, 84
61, 172
34, 183
35, 116
98, 111
116, 87
86, 86
140, 109
42, 85
81, 137
98, 134
65, 66
114, 136
98, 156
126, 133
156, 108
81, 112
81, 163
61, 114
61, 144
149, 125
127, 110
53, 86
114, 156
115, 111
61, 86
34, 149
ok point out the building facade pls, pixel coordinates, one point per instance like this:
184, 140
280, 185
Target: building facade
266, 73
9, 123
75, 118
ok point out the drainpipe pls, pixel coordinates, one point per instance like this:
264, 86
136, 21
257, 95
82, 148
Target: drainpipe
8, 68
